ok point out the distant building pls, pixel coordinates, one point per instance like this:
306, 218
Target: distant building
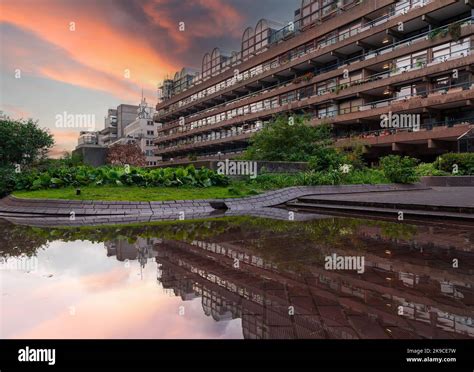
125, 115
142, 131
125, 124
109, 133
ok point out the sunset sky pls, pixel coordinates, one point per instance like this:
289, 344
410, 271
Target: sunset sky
47, 68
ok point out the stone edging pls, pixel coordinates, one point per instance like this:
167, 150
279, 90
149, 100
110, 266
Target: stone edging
12, 206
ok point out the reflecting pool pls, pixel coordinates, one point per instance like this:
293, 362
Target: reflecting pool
237, 277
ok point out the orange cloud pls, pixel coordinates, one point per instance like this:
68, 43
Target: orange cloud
15, 112
221, 19
94, 44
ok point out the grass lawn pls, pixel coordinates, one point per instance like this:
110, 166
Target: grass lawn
132, 193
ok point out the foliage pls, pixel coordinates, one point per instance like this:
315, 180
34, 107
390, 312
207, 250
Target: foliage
68, 160
317, 178
326, 159
122, 154
23, 142
464, 162
288, 139
86, 175
367, 176
454, 29
7, 180
429, 169
399, 169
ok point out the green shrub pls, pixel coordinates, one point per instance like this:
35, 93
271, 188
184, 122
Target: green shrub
399, 169
86, 175
326, 159
429, 169
367, 176
7, 180
464, 162
288, 139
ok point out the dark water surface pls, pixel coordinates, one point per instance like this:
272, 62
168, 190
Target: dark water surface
237, 278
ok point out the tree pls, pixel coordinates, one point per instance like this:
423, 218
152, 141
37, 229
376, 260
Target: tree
23, 142
130, 154
289, 139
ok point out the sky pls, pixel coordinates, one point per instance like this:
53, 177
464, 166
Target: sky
70, 57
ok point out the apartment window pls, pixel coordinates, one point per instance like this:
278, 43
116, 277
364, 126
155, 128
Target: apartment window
349, 106
441, 82
450, 50
407, 91
325, 86
150, 132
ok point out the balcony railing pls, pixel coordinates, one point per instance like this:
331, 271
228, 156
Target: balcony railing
340, 87
338, 111
363, 57
321, 44
386, 132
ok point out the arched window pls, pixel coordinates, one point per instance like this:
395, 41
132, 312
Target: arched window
215, 61
262, 35
248, 43
235, 58
309, 12
206, 66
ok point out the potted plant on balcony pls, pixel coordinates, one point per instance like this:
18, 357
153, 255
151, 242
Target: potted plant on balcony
454, 29
419, 64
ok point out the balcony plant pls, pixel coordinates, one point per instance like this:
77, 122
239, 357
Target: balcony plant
454, 29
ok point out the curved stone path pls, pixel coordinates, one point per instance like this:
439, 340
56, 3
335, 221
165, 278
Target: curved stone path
56, 207
76, 212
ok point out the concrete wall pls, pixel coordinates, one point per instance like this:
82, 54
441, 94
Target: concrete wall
92, 155
125, 115
448, 181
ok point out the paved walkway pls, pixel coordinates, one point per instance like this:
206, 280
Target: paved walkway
436, 196
41, 212
55, 207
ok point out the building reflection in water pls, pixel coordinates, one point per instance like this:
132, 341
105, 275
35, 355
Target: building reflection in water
280, 288
408, 290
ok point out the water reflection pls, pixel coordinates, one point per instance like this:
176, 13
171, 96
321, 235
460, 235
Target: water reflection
270, 274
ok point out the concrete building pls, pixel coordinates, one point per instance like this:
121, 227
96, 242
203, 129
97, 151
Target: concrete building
125, 115
109, 133
91, 149
142, 131
349, 63
125, 124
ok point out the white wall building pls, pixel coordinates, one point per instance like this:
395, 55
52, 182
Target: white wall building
142, 131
